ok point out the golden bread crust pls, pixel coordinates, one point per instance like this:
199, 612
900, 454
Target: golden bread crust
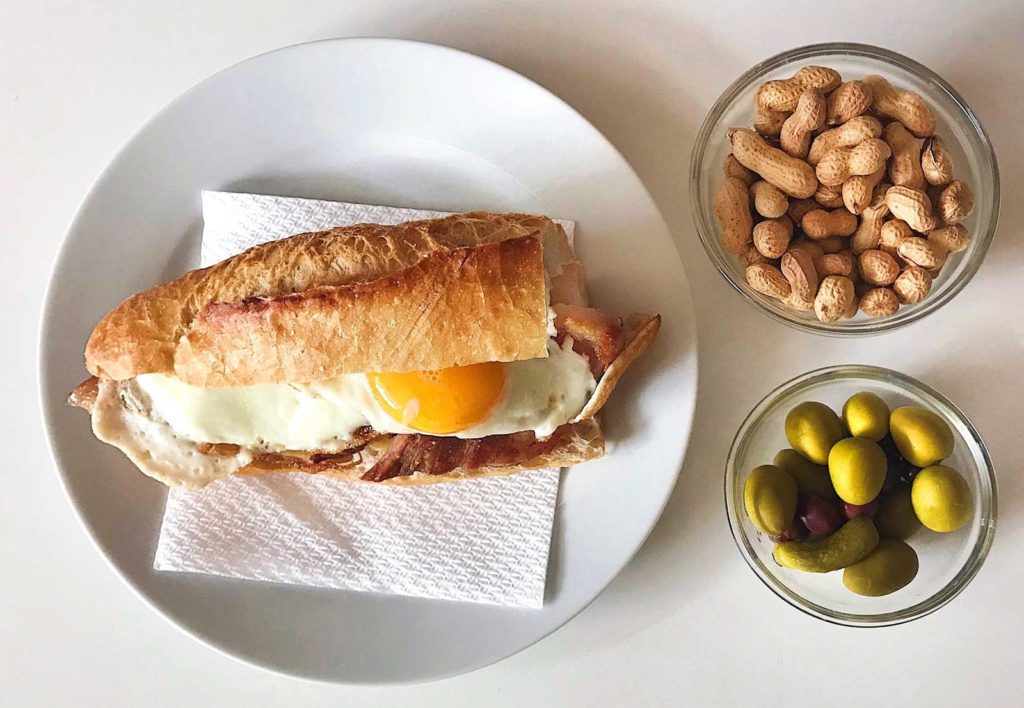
453, 308
141, 334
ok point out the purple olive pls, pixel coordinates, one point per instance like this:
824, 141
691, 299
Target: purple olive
898, 470
852, 511
819, 515
795, 532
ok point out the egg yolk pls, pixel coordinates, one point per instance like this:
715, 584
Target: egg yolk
440, 401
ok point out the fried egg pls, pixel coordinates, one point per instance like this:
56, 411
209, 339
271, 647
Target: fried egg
474, 401
441, 401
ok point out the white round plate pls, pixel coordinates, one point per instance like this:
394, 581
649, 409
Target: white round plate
382, 122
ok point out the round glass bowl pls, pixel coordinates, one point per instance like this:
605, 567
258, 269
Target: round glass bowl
974, 162
948, 561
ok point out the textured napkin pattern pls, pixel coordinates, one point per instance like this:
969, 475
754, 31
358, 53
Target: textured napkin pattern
233, 222
484, 540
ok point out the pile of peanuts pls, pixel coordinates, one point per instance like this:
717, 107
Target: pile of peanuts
833, 202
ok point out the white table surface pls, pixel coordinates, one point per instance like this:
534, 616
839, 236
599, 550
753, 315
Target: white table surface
686, 621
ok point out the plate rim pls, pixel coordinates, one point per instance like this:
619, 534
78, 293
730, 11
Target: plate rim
45, 393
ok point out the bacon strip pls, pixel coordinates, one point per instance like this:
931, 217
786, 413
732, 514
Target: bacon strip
435, 455
390, 463
595, 335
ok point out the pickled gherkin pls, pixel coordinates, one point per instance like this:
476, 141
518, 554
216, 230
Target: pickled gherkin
852, 542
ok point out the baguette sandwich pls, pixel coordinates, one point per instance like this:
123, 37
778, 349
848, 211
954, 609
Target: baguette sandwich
428, 351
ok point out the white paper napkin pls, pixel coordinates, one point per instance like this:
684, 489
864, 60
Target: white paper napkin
484, 540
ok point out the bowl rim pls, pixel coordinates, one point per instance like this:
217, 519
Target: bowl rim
986, 473
706, 232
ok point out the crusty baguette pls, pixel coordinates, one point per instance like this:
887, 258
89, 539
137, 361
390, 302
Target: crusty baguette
453, 308
141, 334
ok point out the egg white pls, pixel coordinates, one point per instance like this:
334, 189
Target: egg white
540, 395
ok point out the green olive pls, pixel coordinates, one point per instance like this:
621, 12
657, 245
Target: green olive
810, 478
812, 429
866, 416
857, 468
895, 517
941, 498
891, 566
921, 436
854, 540
770, 497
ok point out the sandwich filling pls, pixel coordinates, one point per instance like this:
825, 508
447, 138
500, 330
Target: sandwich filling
375, 426
467, 402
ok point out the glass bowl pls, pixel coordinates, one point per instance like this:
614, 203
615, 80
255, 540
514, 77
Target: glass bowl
948, 561
974, 162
